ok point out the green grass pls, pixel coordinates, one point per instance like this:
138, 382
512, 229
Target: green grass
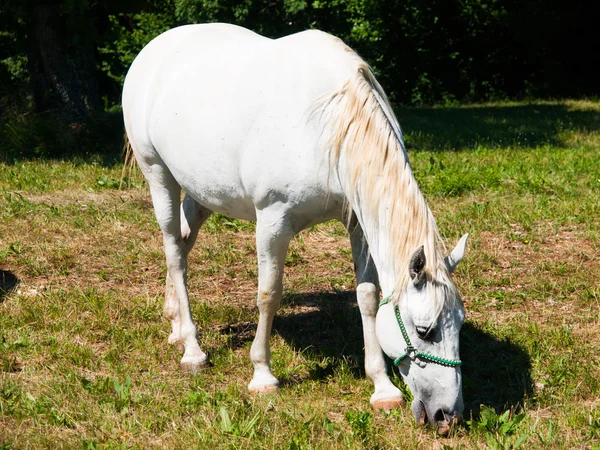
84, 361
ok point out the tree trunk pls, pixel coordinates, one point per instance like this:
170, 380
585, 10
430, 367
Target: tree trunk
62, 63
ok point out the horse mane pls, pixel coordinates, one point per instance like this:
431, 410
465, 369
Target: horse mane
367, 147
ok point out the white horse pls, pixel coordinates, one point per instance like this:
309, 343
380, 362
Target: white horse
290, 133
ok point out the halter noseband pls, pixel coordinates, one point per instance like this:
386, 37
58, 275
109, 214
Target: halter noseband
412, 352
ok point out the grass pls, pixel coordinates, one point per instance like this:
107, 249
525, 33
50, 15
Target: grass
84, 361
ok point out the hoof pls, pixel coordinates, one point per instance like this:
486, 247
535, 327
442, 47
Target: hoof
263, 384
268, 389
194, 364
387, 404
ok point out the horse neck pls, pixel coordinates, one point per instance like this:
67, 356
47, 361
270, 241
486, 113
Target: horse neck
393, 233
368, 152
395, 221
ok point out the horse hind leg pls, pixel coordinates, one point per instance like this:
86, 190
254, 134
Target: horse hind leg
192, 217
386, 396
165, 198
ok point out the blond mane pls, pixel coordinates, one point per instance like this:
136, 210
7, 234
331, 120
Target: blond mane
366, 145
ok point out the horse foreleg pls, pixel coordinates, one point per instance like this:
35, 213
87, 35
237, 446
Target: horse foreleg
165, 197
386, 395
272, 241
192, 217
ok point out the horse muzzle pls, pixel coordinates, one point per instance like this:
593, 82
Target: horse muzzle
444, 421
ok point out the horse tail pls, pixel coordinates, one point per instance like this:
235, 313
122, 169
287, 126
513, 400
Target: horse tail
128, 163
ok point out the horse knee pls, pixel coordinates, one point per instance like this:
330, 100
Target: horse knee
366, 295
268, 300
364, 290
171, 311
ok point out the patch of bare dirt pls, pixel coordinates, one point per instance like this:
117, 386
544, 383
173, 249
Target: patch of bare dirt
566, 246
545, 278
84, 198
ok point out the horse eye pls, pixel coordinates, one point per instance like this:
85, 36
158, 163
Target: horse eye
425, 333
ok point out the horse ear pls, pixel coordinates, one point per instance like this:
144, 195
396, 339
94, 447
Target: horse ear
457, 254
417, 264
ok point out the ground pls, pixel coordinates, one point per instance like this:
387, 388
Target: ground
84, 359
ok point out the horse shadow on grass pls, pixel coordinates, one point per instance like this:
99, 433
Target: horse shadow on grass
44, 137
522, 125
514, 126
327, 328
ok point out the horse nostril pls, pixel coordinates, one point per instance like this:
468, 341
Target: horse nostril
448, 416
439, 416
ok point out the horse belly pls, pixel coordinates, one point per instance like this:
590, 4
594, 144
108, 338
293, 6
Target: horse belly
235, 172
214, 184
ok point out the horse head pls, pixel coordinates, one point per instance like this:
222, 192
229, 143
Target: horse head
420, 332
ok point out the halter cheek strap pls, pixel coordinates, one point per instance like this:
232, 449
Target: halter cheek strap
412, 352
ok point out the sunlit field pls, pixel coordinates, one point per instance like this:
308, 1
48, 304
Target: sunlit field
84, 359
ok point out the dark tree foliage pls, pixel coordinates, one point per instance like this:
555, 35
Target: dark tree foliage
428, 51
61, 59
50, 48
71, 56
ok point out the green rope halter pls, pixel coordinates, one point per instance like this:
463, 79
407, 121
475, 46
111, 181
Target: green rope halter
412, 352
